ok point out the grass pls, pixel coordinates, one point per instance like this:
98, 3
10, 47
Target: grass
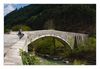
79, 62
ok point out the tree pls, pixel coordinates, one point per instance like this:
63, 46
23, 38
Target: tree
23, 27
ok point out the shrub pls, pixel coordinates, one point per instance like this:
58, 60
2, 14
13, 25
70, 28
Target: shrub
85, 52
6, 30
28, 59
23, 27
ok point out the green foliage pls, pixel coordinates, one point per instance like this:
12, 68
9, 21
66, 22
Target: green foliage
6, 30
85, 52
79, 62
49, 25
23, 27
31, 59
28, 59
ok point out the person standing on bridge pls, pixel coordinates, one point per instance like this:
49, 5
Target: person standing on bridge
20, 34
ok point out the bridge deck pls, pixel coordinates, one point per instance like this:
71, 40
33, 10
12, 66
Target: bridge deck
12, 55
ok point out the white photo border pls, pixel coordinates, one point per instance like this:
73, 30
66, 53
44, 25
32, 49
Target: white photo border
2, 2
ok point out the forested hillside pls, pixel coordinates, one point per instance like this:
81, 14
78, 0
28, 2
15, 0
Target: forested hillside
65, 17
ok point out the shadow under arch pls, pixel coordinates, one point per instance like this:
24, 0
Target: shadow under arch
65, 43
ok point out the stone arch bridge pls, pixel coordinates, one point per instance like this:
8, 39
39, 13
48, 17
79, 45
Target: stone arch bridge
13, 57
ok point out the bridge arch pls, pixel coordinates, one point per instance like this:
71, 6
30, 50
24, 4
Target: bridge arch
65, 47
67, 38
64, 42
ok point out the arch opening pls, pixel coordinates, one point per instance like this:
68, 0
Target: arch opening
50, 47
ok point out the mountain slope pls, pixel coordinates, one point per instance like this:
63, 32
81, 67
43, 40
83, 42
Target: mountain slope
70, 17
